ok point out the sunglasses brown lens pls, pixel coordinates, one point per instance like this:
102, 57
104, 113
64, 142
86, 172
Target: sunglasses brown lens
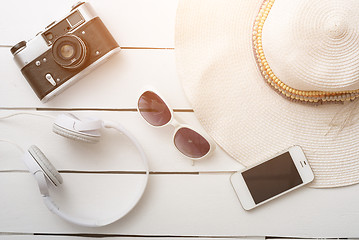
153, 109
191, 143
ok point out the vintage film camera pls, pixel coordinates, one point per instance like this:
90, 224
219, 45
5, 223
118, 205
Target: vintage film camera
66, 51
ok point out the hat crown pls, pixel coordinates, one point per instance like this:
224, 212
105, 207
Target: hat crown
313, 45
336, 27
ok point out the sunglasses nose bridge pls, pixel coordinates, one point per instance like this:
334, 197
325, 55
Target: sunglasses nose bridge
175, 123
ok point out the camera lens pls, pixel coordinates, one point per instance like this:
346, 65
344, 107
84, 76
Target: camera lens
69, 51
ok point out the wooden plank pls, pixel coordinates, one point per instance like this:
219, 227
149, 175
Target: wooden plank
114, 152
116, 84
133, 23
190, 205
111, 237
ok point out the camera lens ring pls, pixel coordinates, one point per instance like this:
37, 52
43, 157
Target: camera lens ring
69, 51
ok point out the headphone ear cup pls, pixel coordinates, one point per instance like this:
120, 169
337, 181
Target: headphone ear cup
50, 171
74, 135
86, 130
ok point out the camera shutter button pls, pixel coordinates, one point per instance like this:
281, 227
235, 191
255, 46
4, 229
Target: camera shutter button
78, 4
50, 79
48, 26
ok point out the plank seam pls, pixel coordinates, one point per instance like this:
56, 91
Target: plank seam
132, 172
85, 109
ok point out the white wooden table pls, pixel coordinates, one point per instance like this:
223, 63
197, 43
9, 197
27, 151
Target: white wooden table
181, 201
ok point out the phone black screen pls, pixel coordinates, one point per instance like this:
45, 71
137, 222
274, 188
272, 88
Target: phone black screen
272, 177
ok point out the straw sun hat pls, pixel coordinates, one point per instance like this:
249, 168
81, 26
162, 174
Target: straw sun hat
263, 76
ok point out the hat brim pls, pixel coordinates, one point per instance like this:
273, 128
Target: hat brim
242, 113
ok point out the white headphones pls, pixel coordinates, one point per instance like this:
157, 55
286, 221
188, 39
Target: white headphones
86, 130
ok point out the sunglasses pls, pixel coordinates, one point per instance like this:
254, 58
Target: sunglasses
187, 140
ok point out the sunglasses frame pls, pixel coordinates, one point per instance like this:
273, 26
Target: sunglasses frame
176, 124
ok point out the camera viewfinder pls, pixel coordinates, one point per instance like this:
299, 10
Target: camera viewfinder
75, 19
63, 27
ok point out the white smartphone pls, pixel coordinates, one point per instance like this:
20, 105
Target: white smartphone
272, 178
